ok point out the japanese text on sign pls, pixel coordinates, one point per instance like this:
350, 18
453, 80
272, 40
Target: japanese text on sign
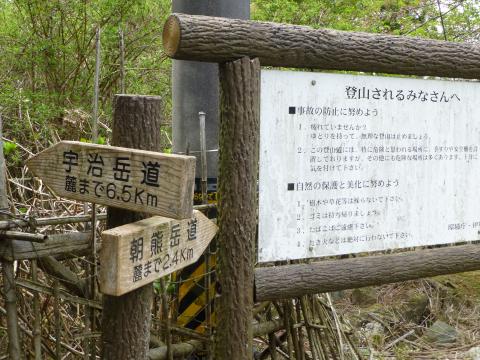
354, 163
133, 179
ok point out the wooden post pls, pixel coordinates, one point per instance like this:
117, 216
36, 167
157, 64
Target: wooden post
238, 167
206, 38
126, 318
7, 268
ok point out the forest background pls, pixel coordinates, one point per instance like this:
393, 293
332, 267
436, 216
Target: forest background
47, 67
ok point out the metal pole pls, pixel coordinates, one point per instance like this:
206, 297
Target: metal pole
122, 61
96, 87
203, 156
195, 87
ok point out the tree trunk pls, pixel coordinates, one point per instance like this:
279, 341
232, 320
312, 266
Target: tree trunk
289, 281
238, 166
126, 319
203, 38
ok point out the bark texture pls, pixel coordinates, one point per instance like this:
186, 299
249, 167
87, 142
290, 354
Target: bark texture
238, 168
126, 319
289, 281
212, 39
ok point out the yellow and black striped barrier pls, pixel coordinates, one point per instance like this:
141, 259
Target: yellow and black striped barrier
192, 294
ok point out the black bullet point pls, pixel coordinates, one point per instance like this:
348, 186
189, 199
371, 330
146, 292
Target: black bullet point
291, 110
291, 186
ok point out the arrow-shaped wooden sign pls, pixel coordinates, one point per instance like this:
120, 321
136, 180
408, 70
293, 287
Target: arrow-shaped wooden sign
137, 180
136, 254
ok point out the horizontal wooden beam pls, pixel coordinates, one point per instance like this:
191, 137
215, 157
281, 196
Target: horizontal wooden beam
212, 39
178, 350
57, 244
57, 220
61, 220
74, 283
22, 236
186, 348
290, 281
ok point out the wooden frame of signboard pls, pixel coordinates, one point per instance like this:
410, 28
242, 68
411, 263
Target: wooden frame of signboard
225, 41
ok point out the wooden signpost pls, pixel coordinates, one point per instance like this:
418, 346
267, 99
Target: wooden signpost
136, 254
137, 180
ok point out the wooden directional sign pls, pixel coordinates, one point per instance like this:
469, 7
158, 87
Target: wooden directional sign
136, 254
137, 180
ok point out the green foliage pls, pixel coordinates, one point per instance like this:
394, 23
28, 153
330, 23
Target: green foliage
170, 286
11, 152
101, 140
400, 17
8, 148
47, 63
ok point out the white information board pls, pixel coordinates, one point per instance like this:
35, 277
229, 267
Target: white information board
354, 163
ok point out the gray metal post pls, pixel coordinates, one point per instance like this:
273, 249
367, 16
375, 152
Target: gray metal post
195, 86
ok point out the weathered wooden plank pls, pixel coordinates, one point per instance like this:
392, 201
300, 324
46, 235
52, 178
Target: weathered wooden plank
289, 281
136, 254
213, 39
56, 244
138, 180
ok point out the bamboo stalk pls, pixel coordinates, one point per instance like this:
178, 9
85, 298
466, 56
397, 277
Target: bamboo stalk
166, 318
272, 338
73, 219
67, 277
286, 319
185, 332
65, 295
56, 312
29, 333
86, 330
306, 317
299, 331
11, 307
37, 323
56, 220
293, 331
70, 244
22, 236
